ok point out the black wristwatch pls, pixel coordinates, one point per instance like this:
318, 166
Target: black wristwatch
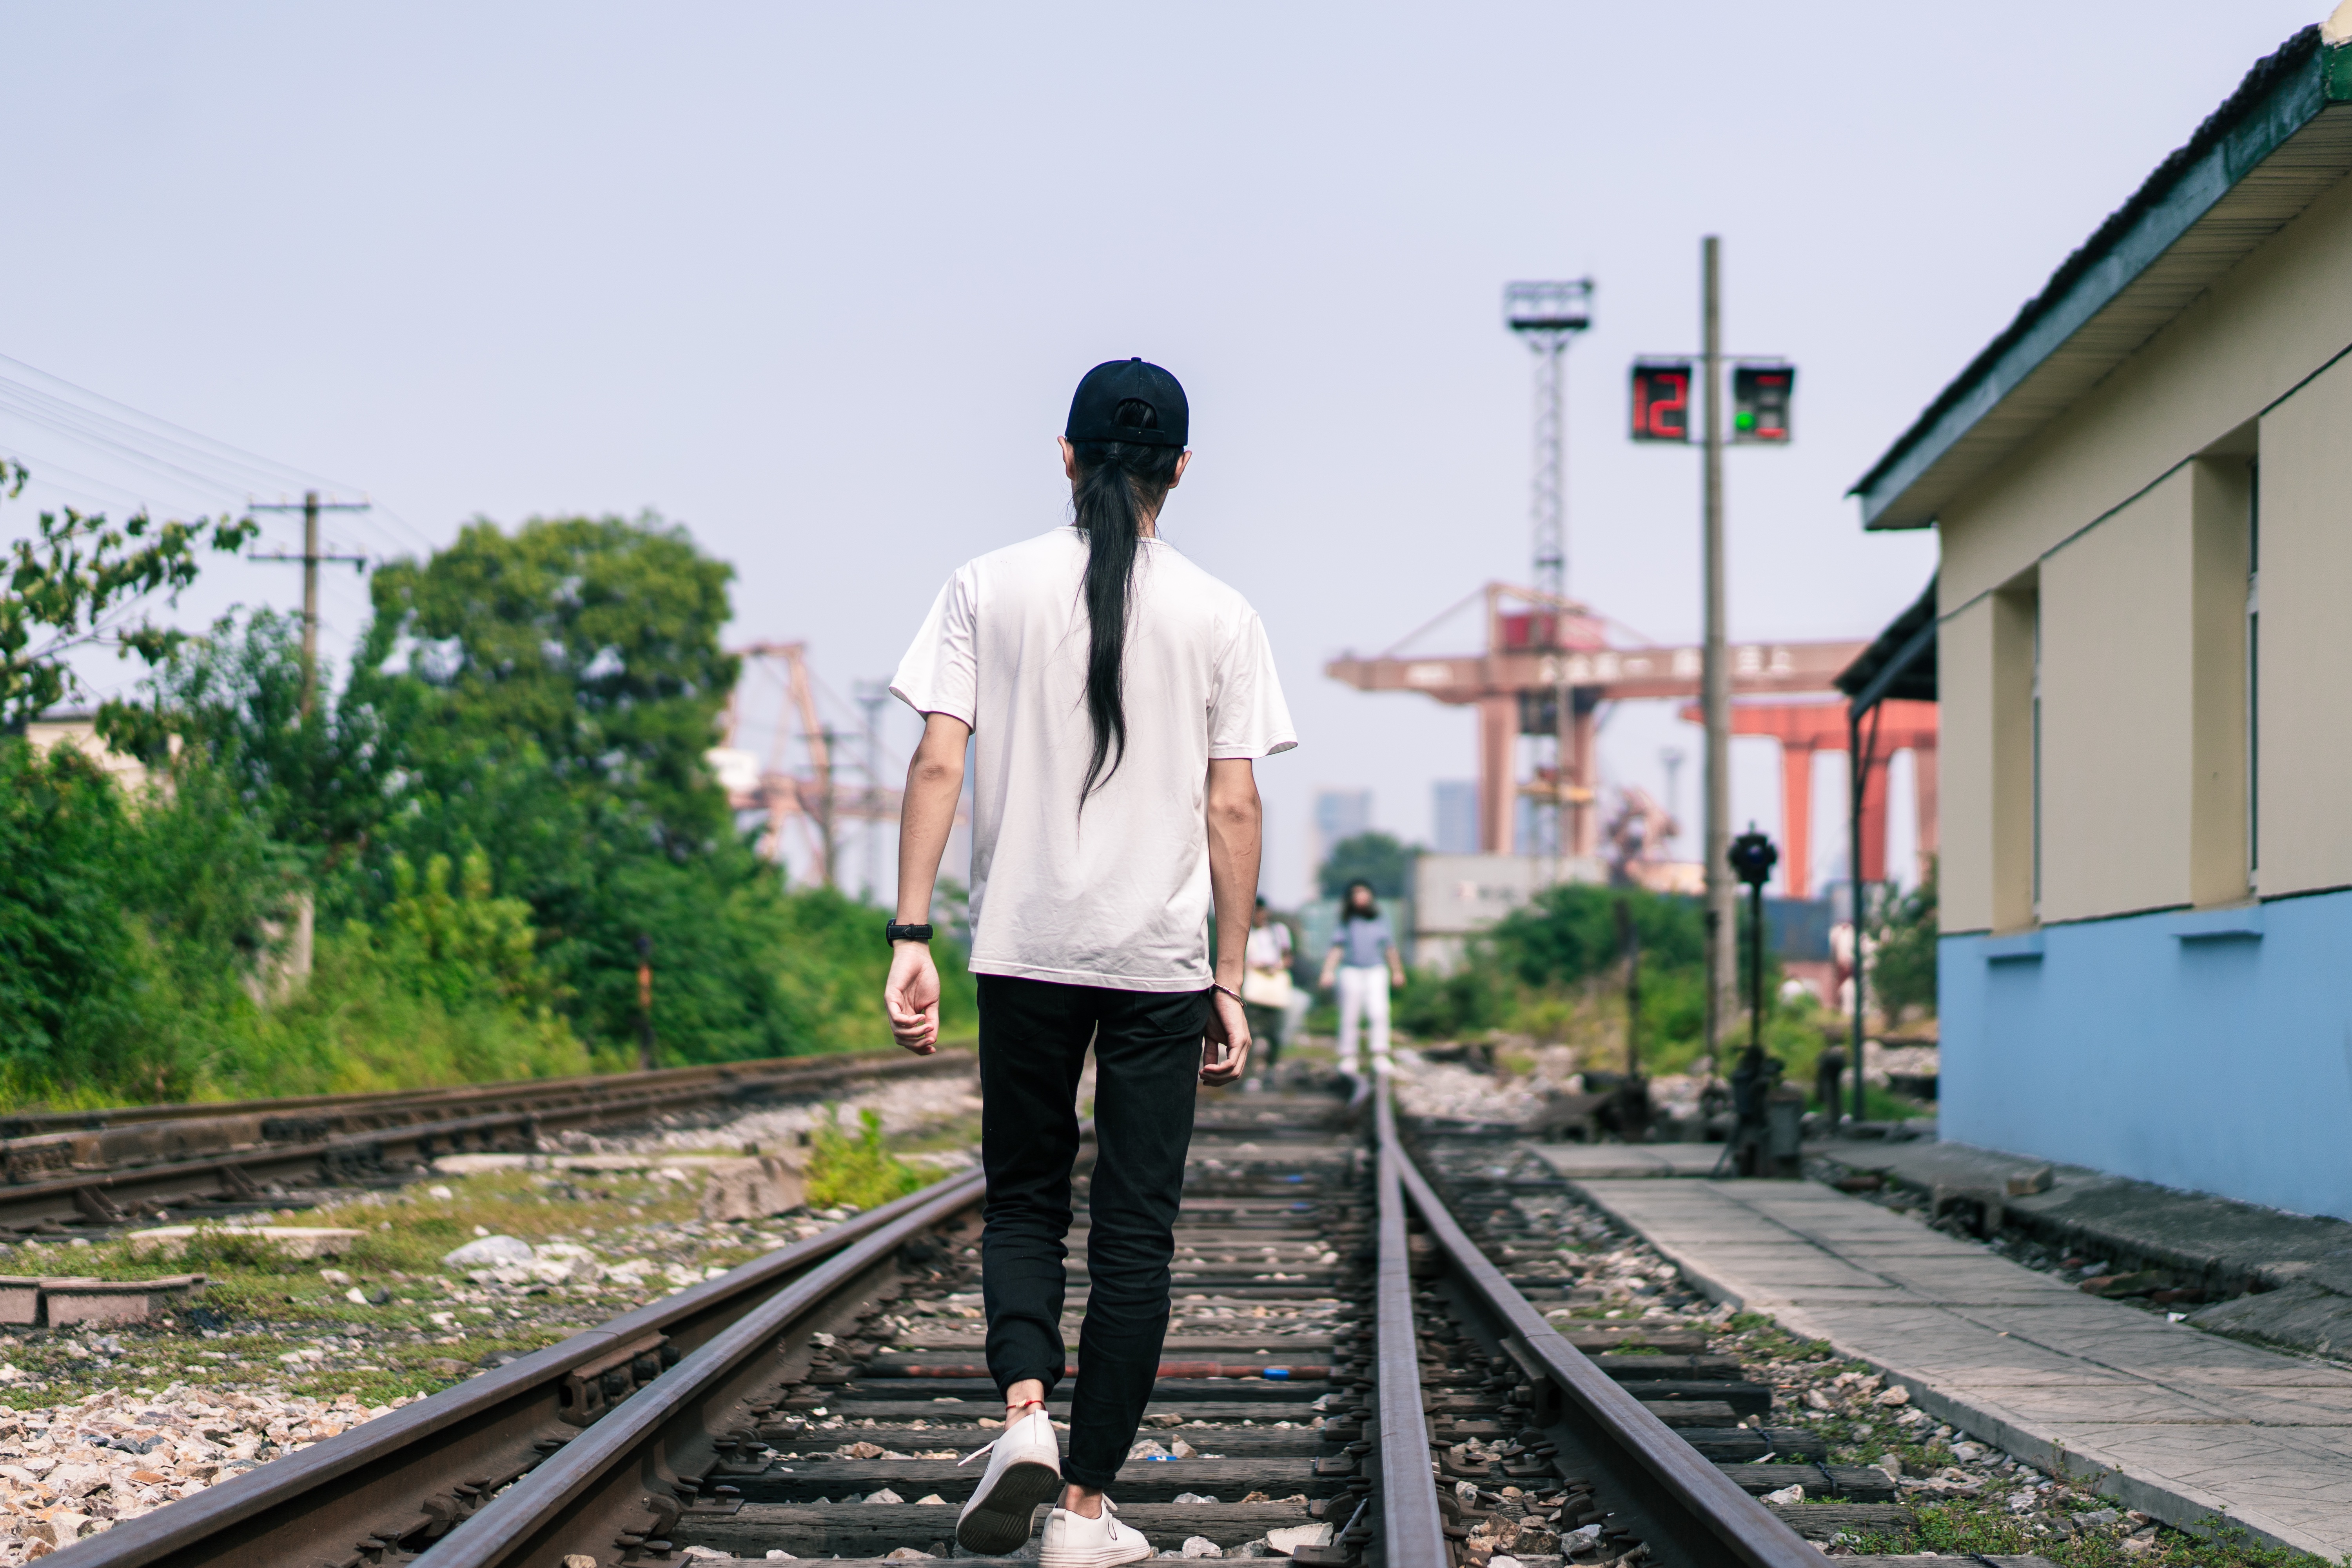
895, 934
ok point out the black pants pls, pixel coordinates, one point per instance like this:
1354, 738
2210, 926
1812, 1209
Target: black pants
1266, 1024
1033, 1046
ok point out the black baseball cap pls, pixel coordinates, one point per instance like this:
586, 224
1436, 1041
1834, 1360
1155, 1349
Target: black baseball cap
1114, 381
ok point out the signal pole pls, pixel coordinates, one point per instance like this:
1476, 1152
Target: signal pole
310, 507
1715, 688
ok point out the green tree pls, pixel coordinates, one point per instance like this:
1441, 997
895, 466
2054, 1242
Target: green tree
232, 701
1903, 970
587, 648
78, 580
1568, 931
63, 942
553, 691
1375, 857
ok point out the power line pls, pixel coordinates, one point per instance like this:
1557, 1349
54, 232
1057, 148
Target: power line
303, 476
215, 467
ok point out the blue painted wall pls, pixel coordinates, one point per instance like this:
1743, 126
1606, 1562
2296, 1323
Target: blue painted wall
2205, 1050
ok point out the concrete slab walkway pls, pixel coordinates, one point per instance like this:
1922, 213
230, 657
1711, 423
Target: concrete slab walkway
2181, 1423
1594, 1162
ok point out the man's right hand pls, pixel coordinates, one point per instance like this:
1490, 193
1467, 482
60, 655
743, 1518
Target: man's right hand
911, 997
1224, 1041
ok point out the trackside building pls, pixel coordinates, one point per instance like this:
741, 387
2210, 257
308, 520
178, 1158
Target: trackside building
2143, 491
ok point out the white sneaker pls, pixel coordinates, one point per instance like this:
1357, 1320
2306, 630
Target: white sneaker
1024, 1468
1074, 1541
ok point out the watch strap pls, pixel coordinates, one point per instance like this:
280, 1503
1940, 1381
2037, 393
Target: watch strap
894, 933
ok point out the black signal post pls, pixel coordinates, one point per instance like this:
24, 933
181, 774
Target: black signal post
1751, 857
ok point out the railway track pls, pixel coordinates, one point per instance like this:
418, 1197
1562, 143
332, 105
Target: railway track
136, 1163
1349, 1377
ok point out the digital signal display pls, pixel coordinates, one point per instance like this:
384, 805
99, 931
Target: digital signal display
1759, 402
1662, 390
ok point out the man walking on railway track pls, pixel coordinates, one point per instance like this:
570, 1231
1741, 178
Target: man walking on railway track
1114, 697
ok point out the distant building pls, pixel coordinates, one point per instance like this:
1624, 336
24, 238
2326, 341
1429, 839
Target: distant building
1456, 813
80, 732
1455, 897
1339, 814
2140, 488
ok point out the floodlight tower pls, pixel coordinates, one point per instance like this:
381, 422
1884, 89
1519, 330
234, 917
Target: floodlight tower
1546, 315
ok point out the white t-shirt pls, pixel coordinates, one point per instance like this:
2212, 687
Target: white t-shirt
1118, 896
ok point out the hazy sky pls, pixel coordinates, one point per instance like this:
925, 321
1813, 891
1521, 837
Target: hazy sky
817, 281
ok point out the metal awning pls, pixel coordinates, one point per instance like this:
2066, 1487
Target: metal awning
1899, 663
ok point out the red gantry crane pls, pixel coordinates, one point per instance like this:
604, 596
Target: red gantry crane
1549, 658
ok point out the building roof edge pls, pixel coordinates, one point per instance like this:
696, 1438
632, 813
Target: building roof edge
2277, 97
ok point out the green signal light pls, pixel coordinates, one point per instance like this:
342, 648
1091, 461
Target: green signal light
1743, 420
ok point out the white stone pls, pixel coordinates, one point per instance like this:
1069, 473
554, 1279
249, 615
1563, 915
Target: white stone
1202, 1546
490, 1251
293, 1241
1291, 1537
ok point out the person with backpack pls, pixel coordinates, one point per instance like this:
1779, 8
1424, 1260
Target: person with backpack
1112, 698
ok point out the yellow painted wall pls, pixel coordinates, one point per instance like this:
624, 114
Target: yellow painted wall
1964, 782
2220, 496
2116, 714
2305, 772
2142, 782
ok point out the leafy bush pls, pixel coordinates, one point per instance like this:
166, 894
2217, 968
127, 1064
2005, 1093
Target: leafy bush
834, 964
1434, 1006
857, 1171
1568, 931
1903, 971
506, 794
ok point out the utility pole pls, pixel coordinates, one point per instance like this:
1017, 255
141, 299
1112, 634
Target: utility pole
310, 507
1715, 692
871, 695
821, 754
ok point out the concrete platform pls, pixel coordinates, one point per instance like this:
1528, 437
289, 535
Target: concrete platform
2181, 1423
2299, 1266
1596, 1162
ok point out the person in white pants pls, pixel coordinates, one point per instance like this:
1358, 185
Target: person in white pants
1364, 959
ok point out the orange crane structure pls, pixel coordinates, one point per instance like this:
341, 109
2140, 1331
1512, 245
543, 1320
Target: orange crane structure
813, 797
1548, 666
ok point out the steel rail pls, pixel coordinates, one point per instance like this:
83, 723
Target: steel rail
1412, 1533
26, 1123
149, 1133
236, 1176
632, 1461
429, 1464
1743, 1526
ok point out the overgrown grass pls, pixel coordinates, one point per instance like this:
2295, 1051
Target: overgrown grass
858, 1170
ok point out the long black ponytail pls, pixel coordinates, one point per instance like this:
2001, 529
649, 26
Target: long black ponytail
1120, 484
